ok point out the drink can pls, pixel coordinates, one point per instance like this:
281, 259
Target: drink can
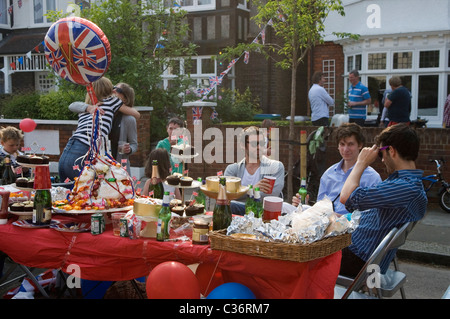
123, 222
97, 224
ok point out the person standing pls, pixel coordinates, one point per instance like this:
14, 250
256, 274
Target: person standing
171, 139
398, 102
358, 98
319, 100
395, 201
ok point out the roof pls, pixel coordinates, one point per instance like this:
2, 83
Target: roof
21, 42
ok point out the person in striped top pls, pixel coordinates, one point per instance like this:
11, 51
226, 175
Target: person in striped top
70, 162
392, 203
358, 98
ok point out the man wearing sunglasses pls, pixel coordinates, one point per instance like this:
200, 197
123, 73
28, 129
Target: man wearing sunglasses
397, 200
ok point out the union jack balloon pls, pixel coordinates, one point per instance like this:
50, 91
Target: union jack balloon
77, 50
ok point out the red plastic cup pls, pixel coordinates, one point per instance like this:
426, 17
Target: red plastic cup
272, 207
42, 178
271, 180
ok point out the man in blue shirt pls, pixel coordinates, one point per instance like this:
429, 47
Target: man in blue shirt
319, 100
350, 140
358, 98
392, 203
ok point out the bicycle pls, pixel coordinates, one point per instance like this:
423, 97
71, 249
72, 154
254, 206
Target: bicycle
444, 192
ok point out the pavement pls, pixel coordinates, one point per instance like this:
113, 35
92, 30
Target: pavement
429, 241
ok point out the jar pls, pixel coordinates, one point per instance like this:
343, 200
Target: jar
200, 233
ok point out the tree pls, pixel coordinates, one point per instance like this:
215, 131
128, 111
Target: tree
298, 26
145, 37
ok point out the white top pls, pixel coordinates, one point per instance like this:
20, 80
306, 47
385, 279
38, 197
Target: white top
320, 101
248, 179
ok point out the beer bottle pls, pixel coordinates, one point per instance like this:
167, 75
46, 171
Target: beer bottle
164, 215
156, 183
222, 211
302, 191
42, 209
8, 176
257, 205
249, 201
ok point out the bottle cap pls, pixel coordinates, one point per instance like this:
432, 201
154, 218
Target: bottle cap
42, 177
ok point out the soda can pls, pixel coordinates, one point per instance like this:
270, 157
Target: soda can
97, 224
123, 227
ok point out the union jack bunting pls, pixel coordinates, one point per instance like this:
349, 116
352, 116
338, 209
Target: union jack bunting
214, 114
246, 57
197, 114
76, 52
214, 81
263, 36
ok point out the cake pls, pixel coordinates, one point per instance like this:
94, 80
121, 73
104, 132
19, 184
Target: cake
173, 179
36, 159
186, 181
233, 184
194, 209
45, 159
22, 158
146, 206
178, 210
28, 206
30, 183
17, 207
175, 202
22, 182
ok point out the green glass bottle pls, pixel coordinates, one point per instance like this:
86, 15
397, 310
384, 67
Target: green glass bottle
156, 185
257, 204
164, 215
42, 209
222, 210
8, 176
302, 191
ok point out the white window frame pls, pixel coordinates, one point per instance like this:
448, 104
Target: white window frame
44, 10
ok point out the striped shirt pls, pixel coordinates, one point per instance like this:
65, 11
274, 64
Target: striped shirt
392, 203
83, 133
358, 93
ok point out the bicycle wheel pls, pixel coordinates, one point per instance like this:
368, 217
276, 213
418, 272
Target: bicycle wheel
444, 200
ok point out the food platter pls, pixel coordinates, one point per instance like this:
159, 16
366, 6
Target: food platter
230, 195
72, 227
194, 184
26, 223
90, 211
31, 165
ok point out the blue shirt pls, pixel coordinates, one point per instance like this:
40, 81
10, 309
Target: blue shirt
334, 178
392, 203
320, 101
358, 93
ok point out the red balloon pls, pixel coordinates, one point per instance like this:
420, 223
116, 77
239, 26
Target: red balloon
27, 125
208, 278
172, 280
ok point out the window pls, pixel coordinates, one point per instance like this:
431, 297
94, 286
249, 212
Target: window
429, 59
427, 104
44, 83
376, 85
402, 60
354, 62
40, 7
376, 61
3, 10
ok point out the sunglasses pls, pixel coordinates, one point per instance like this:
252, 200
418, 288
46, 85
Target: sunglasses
382, 148
118, 89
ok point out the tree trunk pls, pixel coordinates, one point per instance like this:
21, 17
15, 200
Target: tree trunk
290, 191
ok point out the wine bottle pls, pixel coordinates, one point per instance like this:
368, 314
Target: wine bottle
164, 216
8, 176
302, 191
156, 185
42, 209
222, 211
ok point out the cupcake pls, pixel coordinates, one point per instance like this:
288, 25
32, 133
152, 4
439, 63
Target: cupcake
28, 206
173, 180
174, 202
22, 182
45, 159
186, 181
23, 158
36, 159
178, 210
17, 207
30, 183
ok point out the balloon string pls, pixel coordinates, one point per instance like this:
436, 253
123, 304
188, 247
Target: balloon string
214, 271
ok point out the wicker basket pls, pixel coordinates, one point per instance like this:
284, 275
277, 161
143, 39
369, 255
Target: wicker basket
281, 251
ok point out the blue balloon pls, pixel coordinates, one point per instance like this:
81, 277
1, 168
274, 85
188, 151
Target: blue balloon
231, 290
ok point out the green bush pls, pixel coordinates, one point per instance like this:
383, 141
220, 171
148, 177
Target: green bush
55, 105
22, 105
236, 106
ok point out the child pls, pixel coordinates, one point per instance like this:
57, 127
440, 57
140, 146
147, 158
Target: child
161, 155
10, 139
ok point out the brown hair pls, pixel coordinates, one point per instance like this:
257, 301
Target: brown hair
103, 88
401, 137
10, 133
162, 156
395, 81
350, 129
316, 77
128, 94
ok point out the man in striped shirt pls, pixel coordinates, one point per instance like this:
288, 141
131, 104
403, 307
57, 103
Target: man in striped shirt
395, 201
358, 98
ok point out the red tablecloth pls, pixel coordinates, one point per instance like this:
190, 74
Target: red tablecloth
109, 257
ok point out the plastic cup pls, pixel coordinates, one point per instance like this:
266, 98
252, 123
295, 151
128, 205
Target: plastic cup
272, 207
271, 180
120, 147
115, 217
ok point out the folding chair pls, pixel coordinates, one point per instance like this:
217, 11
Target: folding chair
392, 280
